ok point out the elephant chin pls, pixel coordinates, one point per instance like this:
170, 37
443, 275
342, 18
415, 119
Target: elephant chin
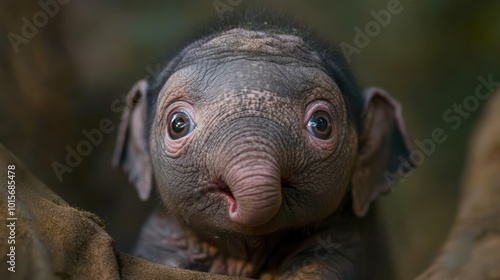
257, 195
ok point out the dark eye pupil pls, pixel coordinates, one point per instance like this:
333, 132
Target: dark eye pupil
178, 124
321, 124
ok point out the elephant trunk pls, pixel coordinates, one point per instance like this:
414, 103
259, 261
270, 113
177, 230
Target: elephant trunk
256, 188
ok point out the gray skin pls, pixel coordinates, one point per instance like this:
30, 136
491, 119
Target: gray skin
250, 189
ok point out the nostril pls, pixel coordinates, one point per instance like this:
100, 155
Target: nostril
285, 184
224, 189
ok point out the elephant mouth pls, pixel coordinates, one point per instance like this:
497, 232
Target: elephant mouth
226, 192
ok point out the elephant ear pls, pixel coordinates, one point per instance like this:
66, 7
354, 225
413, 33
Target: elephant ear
131, 150
384, 146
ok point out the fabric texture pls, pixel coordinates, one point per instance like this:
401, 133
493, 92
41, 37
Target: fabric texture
56, 241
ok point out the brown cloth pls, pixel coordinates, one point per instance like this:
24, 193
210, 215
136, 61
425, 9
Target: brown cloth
472, 250
56, 241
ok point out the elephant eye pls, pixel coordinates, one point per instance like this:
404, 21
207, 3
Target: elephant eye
320, 125
180, 125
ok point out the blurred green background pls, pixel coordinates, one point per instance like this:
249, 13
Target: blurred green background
65, 78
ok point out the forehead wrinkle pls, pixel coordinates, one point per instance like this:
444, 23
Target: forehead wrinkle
205, 84
249, 102
249, 96
205, 79
209, 54
175, 88
256, 45
288, 81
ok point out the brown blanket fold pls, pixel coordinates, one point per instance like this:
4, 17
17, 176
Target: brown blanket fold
56, 241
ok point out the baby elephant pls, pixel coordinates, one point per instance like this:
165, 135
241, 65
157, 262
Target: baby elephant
264, 152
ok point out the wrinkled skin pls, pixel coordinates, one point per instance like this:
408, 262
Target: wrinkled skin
273, 167
249, 189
